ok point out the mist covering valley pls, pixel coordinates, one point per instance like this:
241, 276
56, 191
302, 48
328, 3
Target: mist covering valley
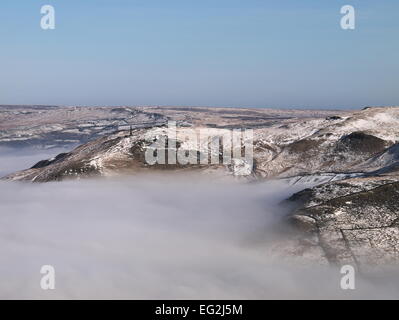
158, 237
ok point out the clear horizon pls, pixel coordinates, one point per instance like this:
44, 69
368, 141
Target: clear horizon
263, 54
201, 106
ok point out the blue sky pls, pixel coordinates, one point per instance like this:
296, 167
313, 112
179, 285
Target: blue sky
280, 53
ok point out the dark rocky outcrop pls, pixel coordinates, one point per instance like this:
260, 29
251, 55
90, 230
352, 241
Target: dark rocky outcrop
45, 163
355, 221
361, 142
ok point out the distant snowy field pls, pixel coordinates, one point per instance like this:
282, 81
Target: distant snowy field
153, 237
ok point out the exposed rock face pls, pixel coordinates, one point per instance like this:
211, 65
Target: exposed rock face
44, 163
360, 142
354, 221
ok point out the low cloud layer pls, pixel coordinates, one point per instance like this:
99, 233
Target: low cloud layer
12, 159
154, 237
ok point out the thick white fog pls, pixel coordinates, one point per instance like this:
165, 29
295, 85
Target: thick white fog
155, 237
12, 159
